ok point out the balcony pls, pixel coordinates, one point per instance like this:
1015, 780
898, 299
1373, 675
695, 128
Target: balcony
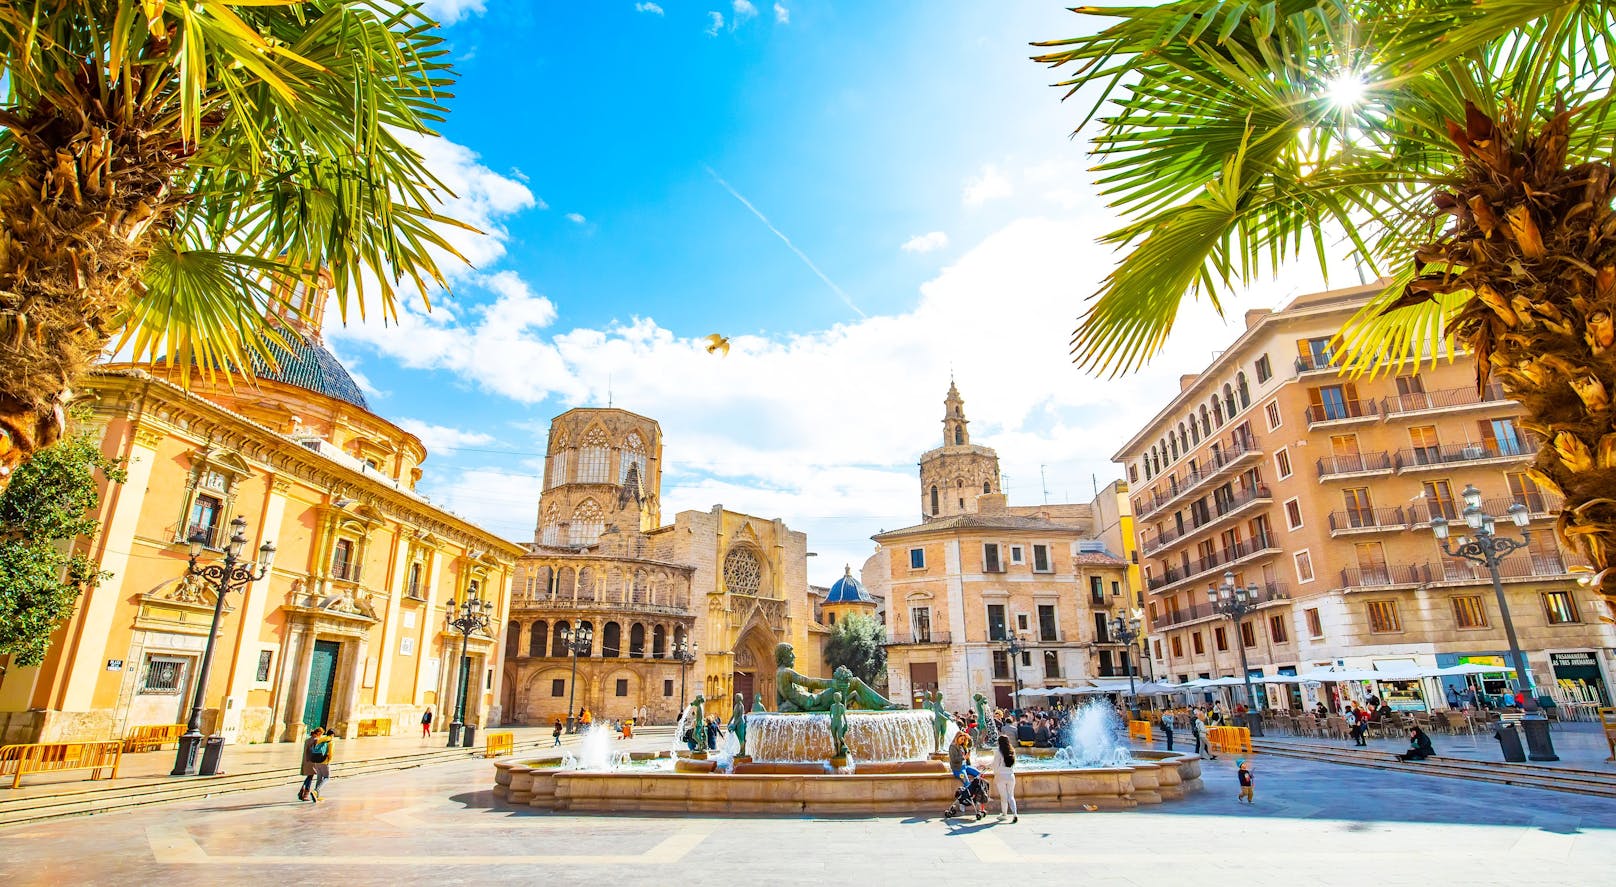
1233, 506
1225, 455
1355, 465
1513, 567
1539, 506
1428, 458
918, 639
1445, 400
1334, 415
1272, 592
1385, 576
1317, 364
523, 602
1241, 552
1367, 520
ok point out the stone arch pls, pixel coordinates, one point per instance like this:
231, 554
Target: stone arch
636, 641
513, 639
611, 640
537, 637
544, 581
659, 641
587, 585
585, 624
753, 663
558, 645
566, 583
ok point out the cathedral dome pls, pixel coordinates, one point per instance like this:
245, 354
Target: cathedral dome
307, 363
848, 590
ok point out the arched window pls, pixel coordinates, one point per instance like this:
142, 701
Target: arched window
551, 534
678, 636
592, 457
1173, 445
636, 641
959, 436
987, 487
934, 499
566, 583
587, 522
611, 641
586, 625
659, 642
588, 589
557, 467
1228, 400
513, 640
1206, 423
742, 572
633, 455
1195, 430
536, 639
558, 643
1217, 412
1244, 390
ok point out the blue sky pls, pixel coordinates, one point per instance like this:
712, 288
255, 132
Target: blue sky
939, 219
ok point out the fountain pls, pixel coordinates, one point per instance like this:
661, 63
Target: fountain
790, 761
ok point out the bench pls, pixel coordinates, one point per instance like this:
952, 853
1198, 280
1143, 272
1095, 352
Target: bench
500, 743
1139, 730
52, 757
152, 737
376, 727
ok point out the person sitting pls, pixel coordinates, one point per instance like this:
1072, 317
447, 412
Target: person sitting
1383, 712
1040, 737
1419, 746
1025, 734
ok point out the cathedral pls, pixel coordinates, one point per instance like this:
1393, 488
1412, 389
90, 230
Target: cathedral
615, 612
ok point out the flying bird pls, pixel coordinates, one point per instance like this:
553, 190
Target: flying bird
716, 343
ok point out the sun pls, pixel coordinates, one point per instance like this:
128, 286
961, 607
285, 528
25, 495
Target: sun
1346, 89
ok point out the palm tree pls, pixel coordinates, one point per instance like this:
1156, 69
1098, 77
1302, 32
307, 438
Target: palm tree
171, 171
1460, 146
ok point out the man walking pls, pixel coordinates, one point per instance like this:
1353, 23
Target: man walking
1167, 729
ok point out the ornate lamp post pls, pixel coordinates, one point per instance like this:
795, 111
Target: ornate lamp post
1488, 548
1013, 648
226, 577
1233, 603
578, 642
684, 653
1127, 631
472, 619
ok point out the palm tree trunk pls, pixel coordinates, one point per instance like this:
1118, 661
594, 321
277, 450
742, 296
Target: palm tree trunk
75, 232
1536, 243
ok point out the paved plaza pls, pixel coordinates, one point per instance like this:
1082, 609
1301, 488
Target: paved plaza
1313, 824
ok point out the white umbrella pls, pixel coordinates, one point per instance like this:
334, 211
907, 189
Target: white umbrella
1470, 668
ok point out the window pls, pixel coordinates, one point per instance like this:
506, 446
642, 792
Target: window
265, 657
1331, 402
1265, 370
1469, 611
934, 501
622, 686
1360, 509
1315, 353
1097, 591
920, 624
1178, 647
1559, 606
1277, 631
1220, 639
1304, 566
1157, 645
587, 523
1524, 490
558, 687
1502, 437
1040, 559
1133, 476
1017, 555
1051, 664
1001, 665
1427, 447
413, 586
667, 687
998, 628
205, 514
1293, 514
1021, 622
1273, 414
1371, 557
917, 558
990, 558
593, 457
342, 565
1046, 623
1383, 617
1439, 499
1197, 643
164, 674
1248, 634
406, 646
1282, 462
1315, 625
632, 458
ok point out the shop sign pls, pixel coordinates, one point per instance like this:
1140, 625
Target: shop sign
114, 665
1572, 660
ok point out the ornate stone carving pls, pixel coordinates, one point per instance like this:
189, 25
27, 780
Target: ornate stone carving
147, 436
188, 589
742, 572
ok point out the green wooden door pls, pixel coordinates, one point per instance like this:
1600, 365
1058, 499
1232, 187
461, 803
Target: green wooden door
322, 680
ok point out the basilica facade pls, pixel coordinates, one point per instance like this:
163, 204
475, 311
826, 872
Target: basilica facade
670, 610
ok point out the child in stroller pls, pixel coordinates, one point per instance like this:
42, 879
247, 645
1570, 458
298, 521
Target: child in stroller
973, 793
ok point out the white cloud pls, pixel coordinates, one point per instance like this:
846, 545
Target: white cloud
447, 12
441, 439
743, 10
782, 15
925, 243
576, 218
715, 23
651, 8
481, 198
991, 184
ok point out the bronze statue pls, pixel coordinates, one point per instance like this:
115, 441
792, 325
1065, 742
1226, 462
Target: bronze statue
737, 723
790, 687
984, 721
838, 727
940, 718
757, 702
698, 731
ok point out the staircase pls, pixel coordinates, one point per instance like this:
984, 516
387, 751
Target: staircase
1564, 779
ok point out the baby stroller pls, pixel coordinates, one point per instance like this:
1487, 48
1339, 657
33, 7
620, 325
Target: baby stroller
973, 793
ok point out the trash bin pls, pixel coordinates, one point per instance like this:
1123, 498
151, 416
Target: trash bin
212, 752
1509, 740
1539, 746
468, 736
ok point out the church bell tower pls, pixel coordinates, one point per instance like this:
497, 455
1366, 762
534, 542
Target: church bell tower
953, 475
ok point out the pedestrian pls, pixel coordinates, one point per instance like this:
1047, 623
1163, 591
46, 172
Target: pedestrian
555, 734
1247, 782
1198, 726
1167, 729
628, 729
1453, 698
1360, 725
1004, 777
316, 764
1419, 746
426, 724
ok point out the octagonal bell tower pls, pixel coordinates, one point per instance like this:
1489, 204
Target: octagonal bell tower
603, 469
956, 473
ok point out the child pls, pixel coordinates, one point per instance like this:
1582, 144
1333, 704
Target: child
1247, 790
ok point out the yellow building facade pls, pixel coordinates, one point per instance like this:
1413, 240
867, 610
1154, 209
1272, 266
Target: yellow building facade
348, 626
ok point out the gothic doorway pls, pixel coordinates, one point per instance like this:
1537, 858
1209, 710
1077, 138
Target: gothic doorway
743, 685
753, 673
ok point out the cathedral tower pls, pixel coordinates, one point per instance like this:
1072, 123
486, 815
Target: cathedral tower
603, 468
954, 474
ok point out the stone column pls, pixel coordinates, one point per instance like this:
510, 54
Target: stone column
292, 717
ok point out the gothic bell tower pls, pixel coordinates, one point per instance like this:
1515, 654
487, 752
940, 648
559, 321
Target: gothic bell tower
953, 475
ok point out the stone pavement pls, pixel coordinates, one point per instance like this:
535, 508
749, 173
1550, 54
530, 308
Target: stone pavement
1580, 746
1313, 823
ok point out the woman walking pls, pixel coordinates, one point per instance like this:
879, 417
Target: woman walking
1004, 778
316, 764
426, 724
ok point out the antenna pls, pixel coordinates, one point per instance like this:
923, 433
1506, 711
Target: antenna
608, 390
1095, 479
1043, 479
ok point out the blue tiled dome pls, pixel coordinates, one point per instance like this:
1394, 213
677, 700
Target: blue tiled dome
848, 590
309, 365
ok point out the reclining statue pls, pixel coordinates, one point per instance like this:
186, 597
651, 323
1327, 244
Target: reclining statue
798, 692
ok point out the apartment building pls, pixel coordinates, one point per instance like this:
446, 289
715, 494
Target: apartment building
1319, 491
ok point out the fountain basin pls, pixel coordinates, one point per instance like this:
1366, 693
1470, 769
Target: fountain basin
872, 736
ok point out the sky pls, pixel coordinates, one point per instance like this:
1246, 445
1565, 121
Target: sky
866, 198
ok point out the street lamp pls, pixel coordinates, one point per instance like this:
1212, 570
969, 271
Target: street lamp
578, 642
1233, 603
1127, 631
1013, 647
684, 653
472, 619
227, 577
1488, 548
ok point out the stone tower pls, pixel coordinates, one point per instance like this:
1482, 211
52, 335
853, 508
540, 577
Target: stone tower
954, 474
603, 469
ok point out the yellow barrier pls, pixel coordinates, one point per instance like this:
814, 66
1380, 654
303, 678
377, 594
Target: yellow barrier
152, 737
376, 727
1139, 730
1230, 739
1607, 718
50, 757
501, 743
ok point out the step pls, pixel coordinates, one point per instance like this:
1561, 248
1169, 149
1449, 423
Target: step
1587, 782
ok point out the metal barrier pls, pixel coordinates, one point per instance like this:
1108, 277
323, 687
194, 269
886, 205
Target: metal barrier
1139, 730
51, 757
376, 727
1230, 739
152, 737
501, 743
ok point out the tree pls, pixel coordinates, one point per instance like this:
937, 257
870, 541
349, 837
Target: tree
1463, 146
170, 171
858, 642
44, 511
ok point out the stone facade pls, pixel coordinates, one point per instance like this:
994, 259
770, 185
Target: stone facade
954, 474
